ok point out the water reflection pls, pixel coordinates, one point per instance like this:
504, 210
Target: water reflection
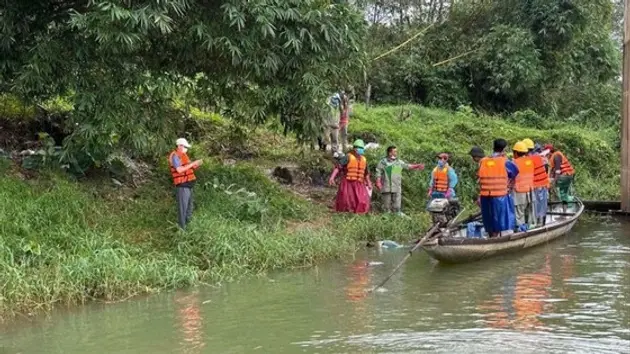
570, 296
358, 275
190, 322
522, 300
568, 270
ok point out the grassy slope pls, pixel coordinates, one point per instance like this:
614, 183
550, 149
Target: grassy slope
65, 242
429, 131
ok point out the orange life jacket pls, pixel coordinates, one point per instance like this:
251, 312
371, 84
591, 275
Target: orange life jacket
179, 178
356, 168
524, 181
440, 179
541, 178
565, 167
493, 177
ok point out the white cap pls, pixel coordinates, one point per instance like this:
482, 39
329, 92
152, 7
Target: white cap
182, 141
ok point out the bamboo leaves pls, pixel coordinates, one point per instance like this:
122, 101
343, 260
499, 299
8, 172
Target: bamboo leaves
122, 63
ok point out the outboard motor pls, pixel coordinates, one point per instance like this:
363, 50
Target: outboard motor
443, 210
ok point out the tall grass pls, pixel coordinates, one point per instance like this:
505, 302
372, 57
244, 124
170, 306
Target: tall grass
50, 253
64, 242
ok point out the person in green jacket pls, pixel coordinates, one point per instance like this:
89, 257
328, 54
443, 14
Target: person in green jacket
389, 179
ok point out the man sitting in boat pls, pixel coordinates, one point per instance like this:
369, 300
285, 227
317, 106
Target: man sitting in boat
561, 175
495, 175
541, 183
443, 179
523, 185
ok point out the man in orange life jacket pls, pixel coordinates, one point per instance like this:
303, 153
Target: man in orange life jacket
523, 185
541, 182
495, 176
561, 172
184, 178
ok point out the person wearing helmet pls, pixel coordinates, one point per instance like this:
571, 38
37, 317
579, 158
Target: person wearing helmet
496, 173
352, 194
182, 171
540, 194
443, 179
523, 185
389, 179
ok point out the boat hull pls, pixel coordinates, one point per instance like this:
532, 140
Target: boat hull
463, 250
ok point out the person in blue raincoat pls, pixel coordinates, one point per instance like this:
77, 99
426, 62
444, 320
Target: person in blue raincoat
496, 177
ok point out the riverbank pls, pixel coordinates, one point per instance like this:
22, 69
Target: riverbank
65, 241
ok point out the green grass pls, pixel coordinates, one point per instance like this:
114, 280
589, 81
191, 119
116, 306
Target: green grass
430, 131
63, 242
67, 242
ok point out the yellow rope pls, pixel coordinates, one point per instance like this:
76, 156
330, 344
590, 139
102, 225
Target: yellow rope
403, 43
453, 58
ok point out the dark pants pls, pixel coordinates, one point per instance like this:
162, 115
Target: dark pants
184, 205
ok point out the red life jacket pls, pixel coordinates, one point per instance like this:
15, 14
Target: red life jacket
541, 178
565, 167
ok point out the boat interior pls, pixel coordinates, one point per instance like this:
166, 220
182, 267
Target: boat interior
555, 214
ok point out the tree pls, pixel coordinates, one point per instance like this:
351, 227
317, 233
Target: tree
554, 56
123, 62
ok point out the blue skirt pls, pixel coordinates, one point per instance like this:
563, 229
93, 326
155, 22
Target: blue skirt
498, 213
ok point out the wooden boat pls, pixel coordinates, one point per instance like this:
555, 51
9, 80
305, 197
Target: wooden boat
456, 247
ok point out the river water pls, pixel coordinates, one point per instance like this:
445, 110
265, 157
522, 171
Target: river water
572, 295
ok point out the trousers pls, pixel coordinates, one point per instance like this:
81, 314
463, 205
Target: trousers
391, 202
184, 205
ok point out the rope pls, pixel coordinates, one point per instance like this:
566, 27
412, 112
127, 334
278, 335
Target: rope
454, 58
403, 43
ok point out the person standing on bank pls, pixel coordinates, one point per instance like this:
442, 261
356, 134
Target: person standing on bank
389, 179
352, 194
182, 171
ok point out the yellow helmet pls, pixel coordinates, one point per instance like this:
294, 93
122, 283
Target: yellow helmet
529, 143
520, 147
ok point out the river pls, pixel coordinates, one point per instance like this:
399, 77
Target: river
572, 295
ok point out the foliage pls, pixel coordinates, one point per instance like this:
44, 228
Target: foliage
430, 131
14, 109
498, 55
54, 251
125, 62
